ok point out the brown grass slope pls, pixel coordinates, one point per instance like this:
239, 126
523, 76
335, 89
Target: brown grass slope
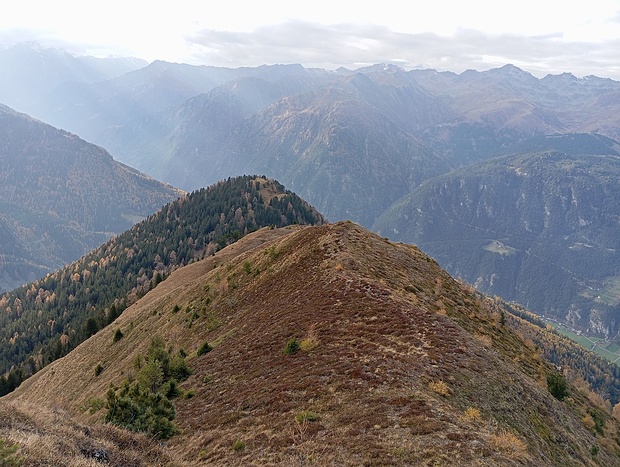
399, 365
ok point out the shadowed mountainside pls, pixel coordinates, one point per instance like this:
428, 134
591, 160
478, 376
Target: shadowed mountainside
61, 197
540, 229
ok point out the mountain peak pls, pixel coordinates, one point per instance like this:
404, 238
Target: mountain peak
513, 72
381, 68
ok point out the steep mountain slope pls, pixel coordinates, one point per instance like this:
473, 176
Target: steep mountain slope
155, 120
395, 363
49, 437
329, 143
467, 117
382, 113
190, 142
60, 197
539, 229
45, 319
337, 151
577, 144
18, 262
96, 110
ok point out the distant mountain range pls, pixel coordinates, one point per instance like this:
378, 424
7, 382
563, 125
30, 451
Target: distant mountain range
61, 197
193, 125
30, 72
358, 143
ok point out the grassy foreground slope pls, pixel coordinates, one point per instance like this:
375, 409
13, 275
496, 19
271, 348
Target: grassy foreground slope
334, 346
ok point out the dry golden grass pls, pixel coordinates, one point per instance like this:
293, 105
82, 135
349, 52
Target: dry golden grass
472, 415
588, 421
52, 437
616, 411
311, 341
439, 387
485, 340
509, 445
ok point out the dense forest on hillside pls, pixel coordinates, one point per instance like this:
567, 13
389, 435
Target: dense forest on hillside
44, 320
538, 229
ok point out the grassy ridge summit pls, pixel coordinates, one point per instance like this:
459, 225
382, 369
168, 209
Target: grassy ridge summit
45, 319
332, 345
61, 197
540, 229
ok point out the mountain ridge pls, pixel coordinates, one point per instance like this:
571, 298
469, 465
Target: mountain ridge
35, 71
43, 320
385, 325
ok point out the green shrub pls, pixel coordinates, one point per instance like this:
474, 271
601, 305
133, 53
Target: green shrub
203, 349
139, 409
93, 405
272, 252
171, 389
151, 375
292, 346
118, 335
557, 385
98, 369
306, 416
157, 351
238, 445
599, 420
178, 369
175, 309
144, 405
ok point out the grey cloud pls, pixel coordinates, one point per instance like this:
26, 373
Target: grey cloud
354, 45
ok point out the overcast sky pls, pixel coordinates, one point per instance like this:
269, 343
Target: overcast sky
541, 36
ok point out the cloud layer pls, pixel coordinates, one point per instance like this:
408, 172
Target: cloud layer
355, 45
